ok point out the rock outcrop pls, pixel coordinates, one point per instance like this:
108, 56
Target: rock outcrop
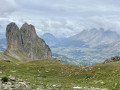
26, 42
112, 59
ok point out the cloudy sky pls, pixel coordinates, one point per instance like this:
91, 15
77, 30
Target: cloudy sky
62, 18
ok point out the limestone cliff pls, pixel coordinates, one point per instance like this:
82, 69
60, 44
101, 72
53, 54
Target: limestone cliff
25, 41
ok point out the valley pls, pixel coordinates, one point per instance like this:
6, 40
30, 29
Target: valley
84, 48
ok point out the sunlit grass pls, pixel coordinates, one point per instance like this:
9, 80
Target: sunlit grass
52, 71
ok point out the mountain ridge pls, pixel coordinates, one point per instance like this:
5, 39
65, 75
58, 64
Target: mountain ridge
94, 35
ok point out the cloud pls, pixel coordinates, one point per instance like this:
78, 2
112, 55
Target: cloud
70, 8
63, 17
7, 7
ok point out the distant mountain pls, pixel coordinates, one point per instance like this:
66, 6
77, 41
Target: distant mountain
50, 39
0, 27
2, 35
95, 37
88, 47
2, 44
66, 42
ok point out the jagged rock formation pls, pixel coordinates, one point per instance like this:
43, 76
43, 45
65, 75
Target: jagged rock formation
112, 59
25, 41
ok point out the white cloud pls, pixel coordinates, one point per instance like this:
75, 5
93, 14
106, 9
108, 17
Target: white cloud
63, 17
7, 7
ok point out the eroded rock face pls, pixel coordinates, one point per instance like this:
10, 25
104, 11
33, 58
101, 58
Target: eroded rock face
26, 41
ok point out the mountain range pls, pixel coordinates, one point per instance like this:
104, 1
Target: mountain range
95, 37
87, 47
46, 73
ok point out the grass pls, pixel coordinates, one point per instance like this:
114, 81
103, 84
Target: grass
52, 71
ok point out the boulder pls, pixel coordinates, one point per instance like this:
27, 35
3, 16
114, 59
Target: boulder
12, 78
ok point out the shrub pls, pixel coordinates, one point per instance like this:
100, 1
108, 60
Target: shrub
4, 79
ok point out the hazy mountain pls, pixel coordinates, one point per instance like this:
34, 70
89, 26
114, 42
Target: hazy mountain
95, 37
0, 27
2, 34
103, 44
76, 50
2, 44
50, 39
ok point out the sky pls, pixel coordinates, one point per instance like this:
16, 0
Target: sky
62, 18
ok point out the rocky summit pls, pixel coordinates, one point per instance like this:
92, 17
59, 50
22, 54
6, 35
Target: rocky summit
24, 42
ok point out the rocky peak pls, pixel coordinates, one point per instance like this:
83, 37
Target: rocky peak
12, 27
12, 36
25, 41
28, 28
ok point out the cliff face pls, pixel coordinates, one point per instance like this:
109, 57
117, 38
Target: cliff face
26, 41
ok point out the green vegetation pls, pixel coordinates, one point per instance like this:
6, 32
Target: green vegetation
83, 56
54, 72
4, 79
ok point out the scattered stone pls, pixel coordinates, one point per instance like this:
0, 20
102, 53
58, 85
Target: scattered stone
54, 85
86, 88
12, 78
40, 88
7, 60
47, 71
17, 86
102, 83
14, 85
22, 84
12, 71
9, 83
20, 80
77, 88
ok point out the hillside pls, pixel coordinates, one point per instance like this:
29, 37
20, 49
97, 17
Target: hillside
55, 74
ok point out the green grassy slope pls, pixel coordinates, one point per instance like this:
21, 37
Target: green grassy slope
52, 71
